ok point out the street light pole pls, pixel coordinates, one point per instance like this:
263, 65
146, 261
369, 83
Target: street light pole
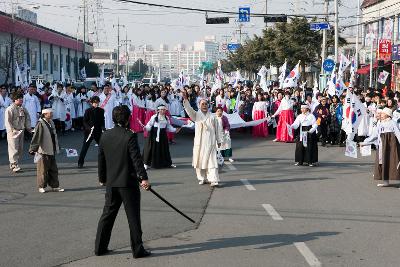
358, 34
336, 30
323, 55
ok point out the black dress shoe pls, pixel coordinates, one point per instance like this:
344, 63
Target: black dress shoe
101, 253
142, 253
80, 166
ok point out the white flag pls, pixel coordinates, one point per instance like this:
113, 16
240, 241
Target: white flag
238, 78
71, 152
293, 77
18, 76
282, 75
343, 64
83, 73
353, 110
159, 75
62, 75
353, 70
102, 79
263, 80
383, 77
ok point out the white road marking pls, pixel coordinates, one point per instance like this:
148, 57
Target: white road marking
307, 254
248, 185
230, 166
272, 212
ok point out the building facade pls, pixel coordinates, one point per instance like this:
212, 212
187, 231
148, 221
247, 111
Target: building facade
381, 39
40, 53
173, 61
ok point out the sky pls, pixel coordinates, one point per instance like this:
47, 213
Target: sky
153, 25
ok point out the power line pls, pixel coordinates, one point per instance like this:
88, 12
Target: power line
208, 10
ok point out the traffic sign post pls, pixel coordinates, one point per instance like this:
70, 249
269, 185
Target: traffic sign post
317, 26
244, 14
328, 65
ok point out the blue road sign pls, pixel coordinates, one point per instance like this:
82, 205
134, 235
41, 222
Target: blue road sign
317, 26
329, 65
233, 47
244, 14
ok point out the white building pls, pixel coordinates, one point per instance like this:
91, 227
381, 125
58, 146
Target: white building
181, 57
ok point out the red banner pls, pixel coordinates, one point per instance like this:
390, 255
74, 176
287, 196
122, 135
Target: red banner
385, 49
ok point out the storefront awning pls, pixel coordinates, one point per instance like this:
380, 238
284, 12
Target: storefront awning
365, 70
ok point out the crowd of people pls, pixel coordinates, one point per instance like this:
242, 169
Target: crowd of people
303, 115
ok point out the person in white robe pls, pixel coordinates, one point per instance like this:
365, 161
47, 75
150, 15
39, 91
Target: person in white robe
57, 98
108, 102
32, 104
70, 107
5, 102
207, 137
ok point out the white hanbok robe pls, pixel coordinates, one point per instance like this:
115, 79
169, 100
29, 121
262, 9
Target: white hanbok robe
207, 135
83, 104
108, 103
5, 102
32, 104
222, 102
70, 105
175, 105
58, 105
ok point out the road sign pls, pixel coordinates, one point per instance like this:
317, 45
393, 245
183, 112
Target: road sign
317, 26
244, 14
329, 65
233, 47
224, 47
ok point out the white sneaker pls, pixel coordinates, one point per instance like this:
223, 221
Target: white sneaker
231, 160
201, 182
214, 184
384, 184
275, 140
173, 166
96, 145
58, 189
16, 168
41, 190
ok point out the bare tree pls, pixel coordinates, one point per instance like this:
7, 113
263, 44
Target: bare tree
15, 52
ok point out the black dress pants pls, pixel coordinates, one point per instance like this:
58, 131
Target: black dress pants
115, 196
86, 146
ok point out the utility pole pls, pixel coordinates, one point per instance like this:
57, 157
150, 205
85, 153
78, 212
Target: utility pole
324, 33
358, 33
266, 11
119, 26
336, 30
84, 27
126, 41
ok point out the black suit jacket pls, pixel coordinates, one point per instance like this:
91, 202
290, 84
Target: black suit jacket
93, 117
120, 161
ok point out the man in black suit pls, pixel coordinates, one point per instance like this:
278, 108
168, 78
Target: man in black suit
93, 124
121, 169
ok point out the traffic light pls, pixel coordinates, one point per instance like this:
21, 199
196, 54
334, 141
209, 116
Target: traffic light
220, 20
282, 18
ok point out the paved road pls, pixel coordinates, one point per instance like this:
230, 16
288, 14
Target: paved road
267, 213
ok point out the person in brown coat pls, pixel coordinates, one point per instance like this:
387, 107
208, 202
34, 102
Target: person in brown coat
44, 146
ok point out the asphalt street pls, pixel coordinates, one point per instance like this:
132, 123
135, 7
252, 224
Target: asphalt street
267, 212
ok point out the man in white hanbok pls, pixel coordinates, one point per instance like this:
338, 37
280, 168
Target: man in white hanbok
108, 102
207, 137
32, 104
57, 98
5, 102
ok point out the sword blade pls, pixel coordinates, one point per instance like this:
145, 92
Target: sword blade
172, 206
